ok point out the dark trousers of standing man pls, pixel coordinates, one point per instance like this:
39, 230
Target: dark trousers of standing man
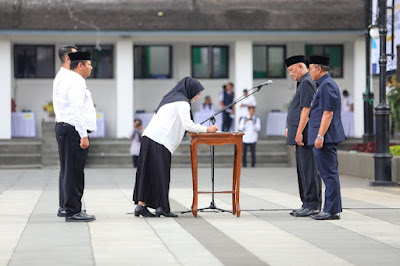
308, 178
226, 121
326, 158
252, 152
72, 163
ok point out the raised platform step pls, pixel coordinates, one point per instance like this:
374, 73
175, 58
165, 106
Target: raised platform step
20, 153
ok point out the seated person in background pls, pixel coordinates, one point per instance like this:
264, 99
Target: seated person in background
246, 103
207, 106
347, 102
250, 125
136, 137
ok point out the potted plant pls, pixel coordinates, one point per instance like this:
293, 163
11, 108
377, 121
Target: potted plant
49, 108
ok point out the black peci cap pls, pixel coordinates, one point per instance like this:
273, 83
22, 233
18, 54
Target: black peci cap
79, 56
320, 60
294, 60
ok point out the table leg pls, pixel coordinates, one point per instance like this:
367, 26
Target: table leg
238, 162
193, 154
234, 182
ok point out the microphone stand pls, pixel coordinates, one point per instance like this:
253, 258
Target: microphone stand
241, 98
213, 120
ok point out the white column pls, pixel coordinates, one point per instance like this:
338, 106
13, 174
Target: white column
359, 86
5, 89
124, 81
243, 52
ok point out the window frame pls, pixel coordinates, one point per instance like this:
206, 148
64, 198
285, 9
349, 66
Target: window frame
170, 74
341, 46
267, 46
94, 48
35, 46
211, 60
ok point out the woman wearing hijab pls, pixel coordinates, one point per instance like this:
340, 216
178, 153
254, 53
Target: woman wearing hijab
160, 139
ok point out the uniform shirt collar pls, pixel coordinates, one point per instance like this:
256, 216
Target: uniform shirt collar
321, 79
304, 77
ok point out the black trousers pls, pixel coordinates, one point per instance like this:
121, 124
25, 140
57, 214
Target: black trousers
252, 152
226, 121
327, 162
308, 177
72, 163
135, 159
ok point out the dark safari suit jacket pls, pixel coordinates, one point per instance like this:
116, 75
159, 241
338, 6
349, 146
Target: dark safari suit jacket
304, 95
327, 98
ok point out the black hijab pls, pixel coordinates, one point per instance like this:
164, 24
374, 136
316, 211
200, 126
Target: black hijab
185, 90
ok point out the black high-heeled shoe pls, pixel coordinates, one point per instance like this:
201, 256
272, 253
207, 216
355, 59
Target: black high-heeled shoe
142, 210
161, 211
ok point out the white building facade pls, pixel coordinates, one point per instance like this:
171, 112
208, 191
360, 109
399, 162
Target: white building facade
127, 89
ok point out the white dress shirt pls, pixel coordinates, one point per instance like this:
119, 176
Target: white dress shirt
346, 103
250, 129
73, 102
135, 144
249, 101
169, 124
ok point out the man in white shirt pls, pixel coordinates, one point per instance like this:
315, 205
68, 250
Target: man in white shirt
250, 125
347, 102
347, 113
75, 117
61, 78
246, 103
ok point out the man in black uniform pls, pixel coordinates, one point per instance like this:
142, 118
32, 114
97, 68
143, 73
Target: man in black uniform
296, 135
226, 98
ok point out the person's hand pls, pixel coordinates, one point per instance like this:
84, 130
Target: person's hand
212, 129
299, 139
84, 143
285, 133
319, 143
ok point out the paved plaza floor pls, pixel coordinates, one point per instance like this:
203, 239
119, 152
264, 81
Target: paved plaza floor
265, 234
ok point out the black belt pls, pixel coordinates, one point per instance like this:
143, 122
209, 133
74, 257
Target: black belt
64, 124
69, 125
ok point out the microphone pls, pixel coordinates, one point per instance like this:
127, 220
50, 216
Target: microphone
269, 82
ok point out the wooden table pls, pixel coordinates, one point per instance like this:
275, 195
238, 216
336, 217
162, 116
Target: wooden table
218, 139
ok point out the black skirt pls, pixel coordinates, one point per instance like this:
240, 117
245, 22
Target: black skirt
153, 175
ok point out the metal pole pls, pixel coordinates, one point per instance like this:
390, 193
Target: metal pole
382, 157
368, 96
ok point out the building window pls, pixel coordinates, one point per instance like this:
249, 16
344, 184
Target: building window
153, 61
210, 61
334, 52
269, 61
34, 61
102, 60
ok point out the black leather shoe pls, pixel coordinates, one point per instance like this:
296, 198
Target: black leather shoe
296, 210
161, 211
61, 213
142, 210
305, 212
80, 217
326, 216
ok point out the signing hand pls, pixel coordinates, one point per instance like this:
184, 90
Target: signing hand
212, 129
